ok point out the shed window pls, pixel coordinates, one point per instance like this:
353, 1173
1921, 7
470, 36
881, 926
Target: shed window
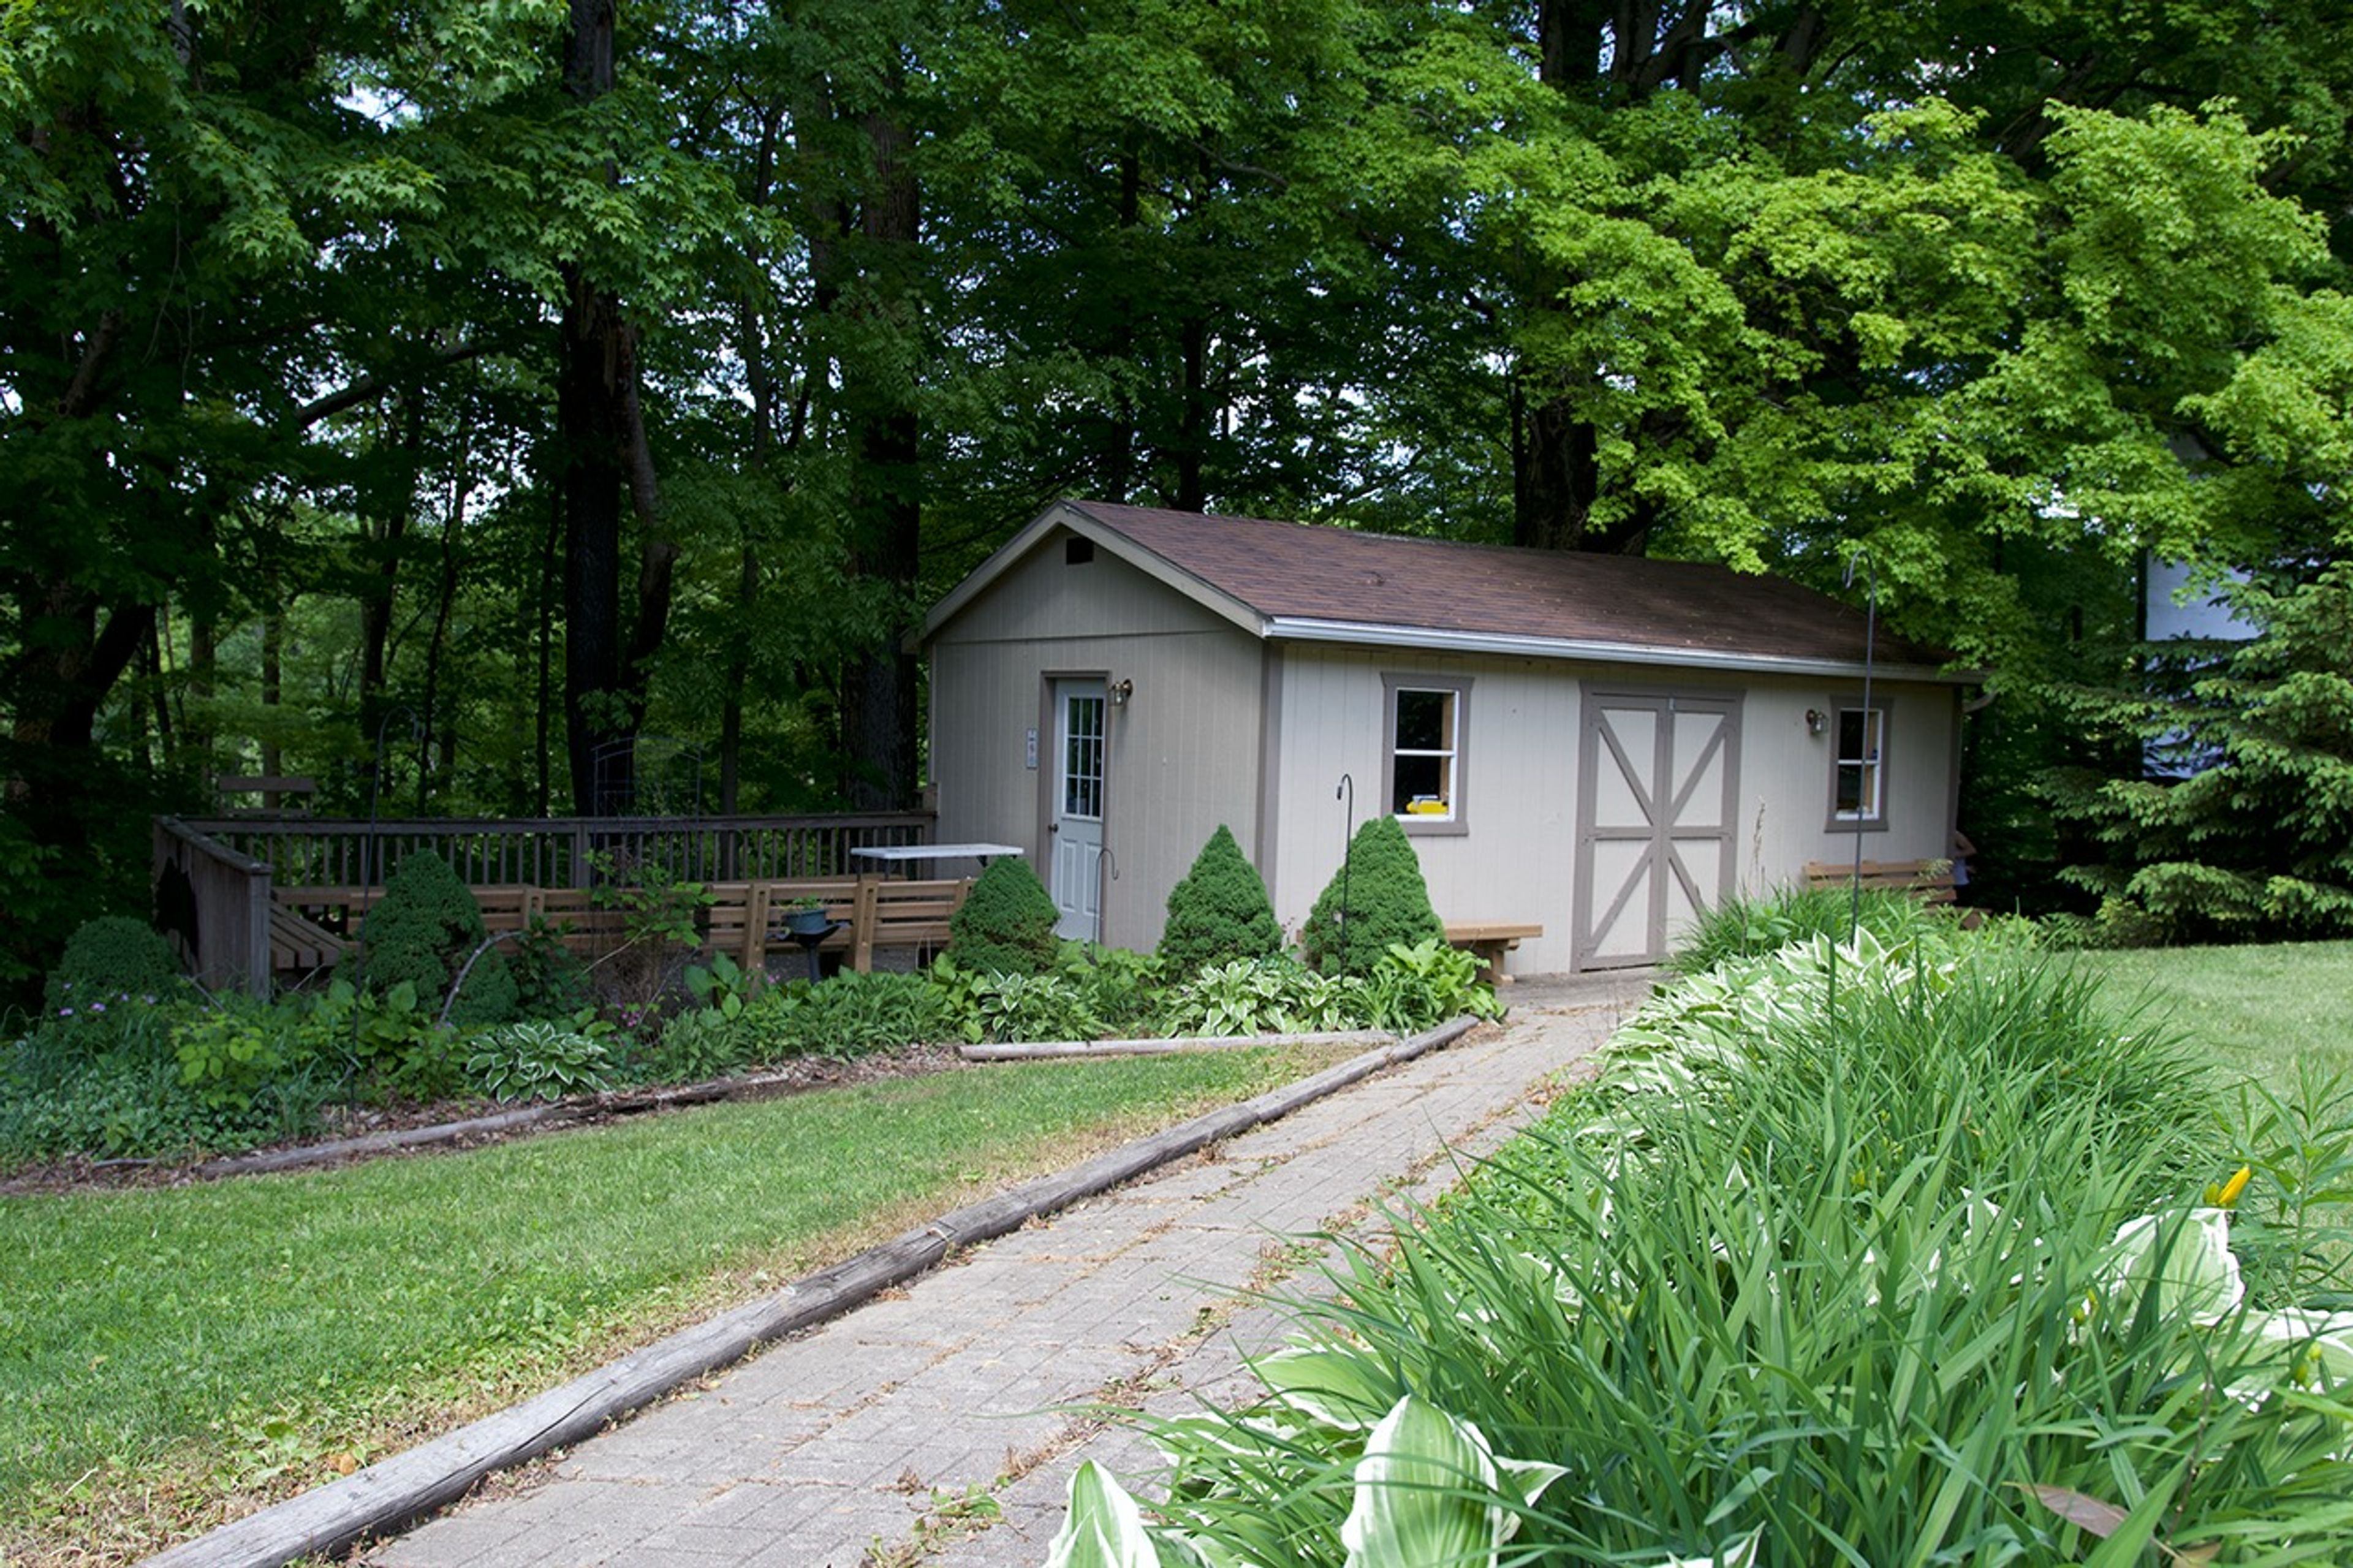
1859, 772
1425, 751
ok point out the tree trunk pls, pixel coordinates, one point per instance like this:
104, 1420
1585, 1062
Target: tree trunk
878, 689
602, 453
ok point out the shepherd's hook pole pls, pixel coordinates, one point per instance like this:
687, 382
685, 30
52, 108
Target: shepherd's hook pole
1871, 739
1347, 786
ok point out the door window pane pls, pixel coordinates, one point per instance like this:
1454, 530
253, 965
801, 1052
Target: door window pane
1082, 756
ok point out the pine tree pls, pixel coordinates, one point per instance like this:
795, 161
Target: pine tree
1006, 925
1388, 903
1219, 911
2259, 843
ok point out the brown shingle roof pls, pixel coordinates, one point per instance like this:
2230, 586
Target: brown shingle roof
1325, 574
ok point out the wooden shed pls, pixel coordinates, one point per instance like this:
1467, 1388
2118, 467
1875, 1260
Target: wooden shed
1594, 745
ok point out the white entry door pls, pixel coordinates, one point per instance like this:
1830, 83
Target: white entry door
1075, 825
1658, 774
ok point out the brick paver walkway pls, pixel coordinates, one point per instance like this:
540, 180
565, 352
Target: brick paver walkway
869, 1438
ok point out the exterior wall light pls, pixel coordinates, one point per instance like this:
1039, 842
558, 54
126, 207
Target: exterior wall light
1120, 690
1816, 719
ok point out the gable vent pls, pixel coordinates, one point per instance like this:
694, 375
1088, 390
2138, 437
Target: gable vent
1078, 551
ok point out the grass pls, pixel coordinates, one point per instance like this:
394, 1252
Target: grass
171, 1357
2257, 1011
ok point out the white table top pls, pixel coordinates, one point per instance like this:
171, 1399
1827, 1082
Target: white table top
895, 853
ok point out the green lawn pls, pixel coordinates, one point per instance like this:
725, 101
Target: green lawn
2259, 1011
161, 1351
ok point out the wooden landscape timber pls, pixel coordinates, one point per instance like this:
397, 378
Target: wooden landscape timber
1040, 1050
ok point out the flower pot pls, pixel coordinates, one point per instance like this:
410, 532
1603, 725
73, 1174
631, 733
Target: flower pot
807, 922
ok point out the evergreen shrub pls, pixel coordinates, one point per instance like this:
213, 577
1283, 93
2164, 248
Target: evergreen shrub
1220, 912
1388, 903
114, 955
422, 931
1007, 923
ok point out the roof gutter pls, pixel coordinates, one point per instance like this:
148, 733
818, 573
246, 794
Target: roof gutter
1303, 629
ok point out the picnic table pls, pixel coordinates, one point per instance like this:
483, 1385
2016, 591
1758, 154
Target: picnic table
907, 855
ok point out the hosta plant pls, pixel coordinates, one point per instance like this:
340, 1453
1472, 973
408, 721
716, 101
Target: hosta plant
541, 1058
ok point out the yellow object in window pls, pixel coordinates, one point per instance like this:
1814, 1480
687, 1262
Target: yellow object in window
1426, 805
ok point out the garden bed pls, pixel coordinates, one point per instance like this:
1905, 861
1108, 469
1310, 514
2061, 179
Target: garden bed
365, 1132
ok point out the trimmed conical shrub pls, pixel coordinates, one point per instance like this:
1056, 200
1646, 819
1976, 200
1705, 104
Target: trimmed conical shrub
1007, 923
1219, 911
422, 931
1388, 901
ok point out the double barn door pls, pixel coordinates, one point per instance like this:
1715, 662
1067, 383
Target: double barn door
1657, 776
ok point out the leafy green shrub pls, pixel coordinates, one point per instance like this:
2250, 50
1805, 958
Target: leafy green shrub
1007, 923
420, 934
723, 983
392, 1045
541, 1059
109, 957
1388, 903
1964, 1261
1743, 927
849, 1015
230, 1052
1117, 987
697, 1045
108, 1082
1219, 911
661, 914
1421, 986
550, 980
123, 1107
1006, 1007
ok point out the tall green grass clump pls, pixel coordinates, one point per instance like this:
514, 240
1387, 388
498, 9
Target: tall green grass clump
1888, 1255
1753, 927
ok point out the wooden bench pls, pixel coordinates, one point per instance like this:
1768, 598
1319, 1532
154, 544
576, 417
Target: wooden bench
311, 928
1930, 882
1488, 940
746, 922
895, 913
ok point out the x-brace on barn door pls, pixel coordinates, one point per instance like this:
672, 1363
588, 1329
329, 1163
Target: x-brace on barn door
1657, 775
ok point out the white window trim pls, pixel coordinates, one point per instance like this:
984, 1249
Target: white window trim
1456, 820
1874, 765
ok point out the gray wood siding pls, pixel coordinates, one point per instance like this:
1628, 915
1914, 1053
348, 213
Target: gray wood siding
1182, 755
1516, 789
1517, 861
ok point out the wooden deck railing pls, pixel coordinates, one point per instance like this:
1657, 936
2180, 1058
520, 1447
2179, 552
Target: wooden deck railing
554, 852
213, 901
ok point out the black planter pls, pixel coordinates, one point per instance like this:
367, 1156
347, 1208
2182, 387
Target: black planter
807, 922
